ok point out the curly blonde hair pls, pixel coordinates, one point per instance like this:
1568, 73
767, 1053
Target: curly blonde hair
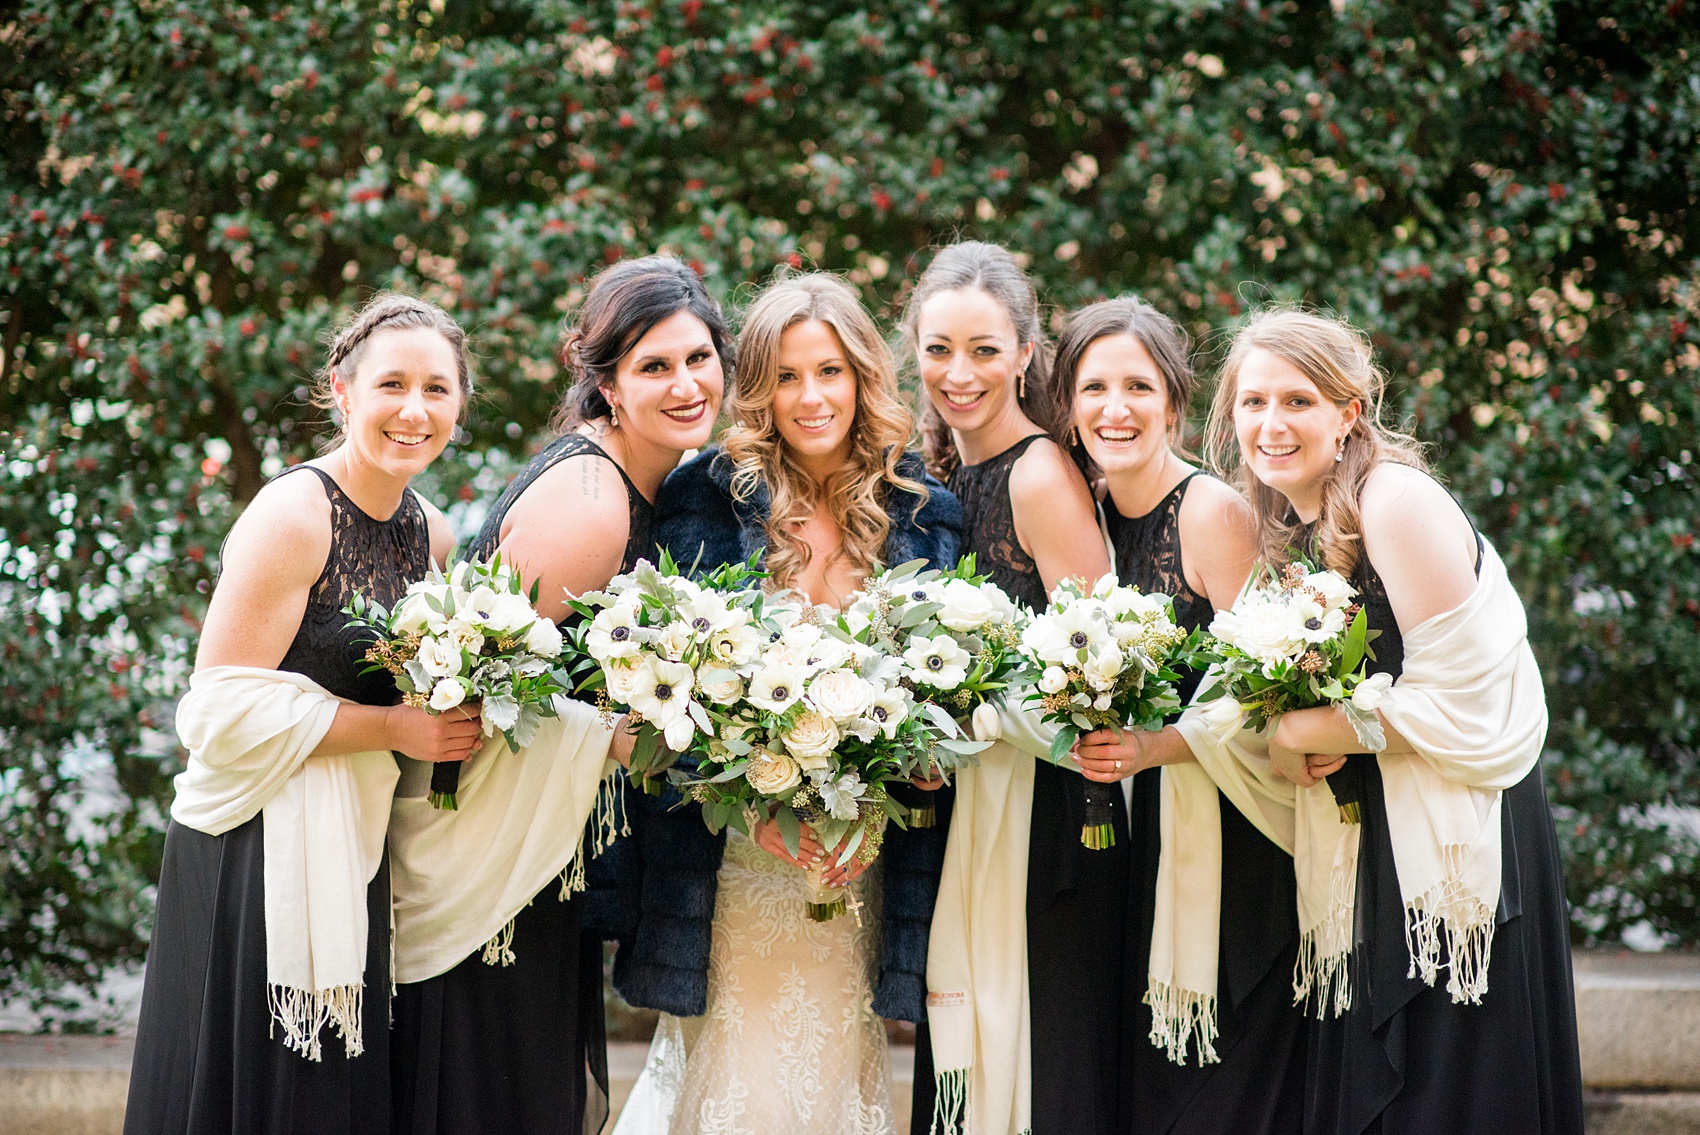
1336, 357
854, 496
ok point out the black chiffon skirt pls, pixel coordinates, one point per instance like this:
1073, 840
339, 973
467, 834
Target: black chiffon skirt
1077, 907
206, 1061
1257, 1087
1405, 1060
510, 1050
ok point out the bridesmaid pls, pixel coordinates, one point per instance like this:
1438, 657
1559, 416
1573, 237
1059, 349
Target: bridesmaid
1299, 398
992, 427
206, 1055
519, 1048
1122, 370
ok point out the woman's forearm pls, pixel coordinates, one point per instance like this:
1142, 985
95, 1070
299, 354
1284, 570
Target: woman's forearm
356, 729
1326, 730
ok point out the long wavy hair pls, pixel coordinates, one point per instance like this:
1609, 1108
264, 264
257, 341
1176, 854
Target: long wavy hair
854, 496
1336, 357
1162, 338
992, 269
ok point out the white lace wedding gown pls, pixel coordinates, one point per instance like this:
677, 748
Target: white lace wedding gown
790, 1041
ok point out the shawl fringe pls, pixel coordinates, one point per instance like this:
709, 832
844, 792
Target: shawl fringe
1179, 1014
302, 1015
1449, 911
950, 1102
499, 950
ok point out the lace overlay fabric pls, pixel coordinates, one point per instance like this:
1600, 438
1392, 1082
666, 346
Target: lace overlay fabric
790, 1041
377, 558
988, 525
1148, 556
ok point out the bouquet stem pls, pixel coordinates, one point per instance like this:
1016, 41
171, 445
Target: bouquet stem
1099, 831
824, 903
923, 816
445, 783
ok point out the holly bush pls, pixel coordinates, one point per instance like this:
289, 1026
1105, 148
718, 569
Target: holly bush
1504, 195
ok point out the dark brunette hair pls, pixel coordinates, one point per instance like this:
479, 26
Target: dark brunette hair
992, 269
1163, 339
625, 301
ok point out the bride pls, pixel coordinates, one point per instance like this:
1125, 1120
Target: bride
771, 1020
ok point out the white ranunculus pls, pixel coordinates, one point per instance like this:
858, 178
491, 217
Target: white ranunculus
543, 638
661, 690
985, 723
675, 639
1053, 680
840, 694
439, 656
1265, 631
613, 633
736, 645
1333, 588
889, 710
811, 739
1371, 693
510, 614
1103, 668
939, 661
776, 688
446, 694
621, 678
965, 606
464, 634
771, 773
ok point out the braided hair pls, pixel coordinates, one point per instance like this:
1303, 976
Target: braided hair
389, 311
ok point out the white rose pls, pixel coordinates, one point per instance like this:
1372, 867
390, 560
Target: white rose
510, 614
543, 638
723, 692
812, 739
1371, 693
621, 679
840, 694
440, 657
446, 694
1265, 631
675, 639
1053, 680
965, 606
1103, 668
776, 688
939, 661
771, 773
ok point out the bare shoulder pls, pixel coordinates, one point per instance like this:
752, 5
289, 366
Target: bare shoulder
1210, 503
580, 499
1403, 509
437, 525
1045, 476
285, 532
1218, 540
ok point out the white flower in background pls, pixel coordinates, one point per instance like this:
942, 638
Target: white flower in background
776, 688
1103, 668
1371, 693
662, 694
446, 694
840, 694
770, 772
723, 692
674, 639
613, 633
543, 637
1335, 591
812, 739
1060, 636
938, 661
413, 615
839, 795
1053, 680
965, 606
621, 676
464, 635
889, 710
439, 657
735, 645
1316, 623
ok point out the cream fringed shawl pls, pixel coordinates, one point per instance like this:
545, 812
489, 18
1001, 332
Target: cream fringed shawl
460, 877
1469, 700
250, 733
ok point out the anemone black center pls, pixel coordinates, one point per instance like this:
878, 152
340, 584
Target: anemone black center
663, 691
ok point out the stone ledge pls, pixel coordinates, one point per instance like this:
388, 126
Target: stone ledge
1638, 1020
1642, 1113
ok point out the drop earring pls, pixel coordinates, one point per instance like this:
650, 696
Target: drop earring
613, 416
1340, 454
1021, 387
1074, 435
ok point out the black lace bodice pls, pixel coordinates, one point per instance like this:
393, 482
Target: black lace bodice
640, 543
377, 558
988, 526
1148, 556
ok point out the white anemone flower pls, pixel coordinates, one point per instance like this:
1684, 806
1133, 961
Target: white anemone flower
939, 661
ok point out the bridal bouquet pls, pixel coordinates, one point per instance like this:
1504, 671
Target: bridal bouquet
1294, 640
663, 648
1104, 656
957, 634
469, 636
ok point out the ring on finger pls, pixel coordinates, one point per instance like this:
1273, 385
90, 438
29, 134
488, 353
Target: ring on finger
1118, 766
